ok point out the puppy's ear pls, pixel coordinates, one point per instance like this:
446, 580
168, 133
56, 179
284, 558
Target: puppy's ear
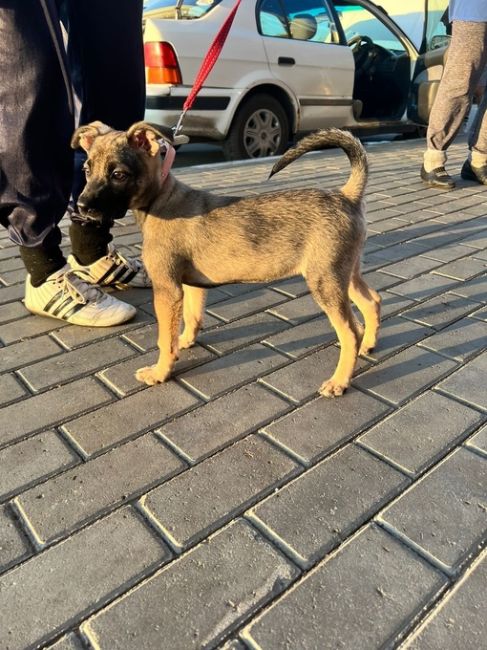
145, 136
84, 136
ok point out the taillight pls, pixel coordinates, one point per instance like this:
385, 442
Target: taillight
161, 64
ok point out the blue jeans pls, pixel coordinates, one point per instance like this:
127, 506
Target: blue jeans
105, 65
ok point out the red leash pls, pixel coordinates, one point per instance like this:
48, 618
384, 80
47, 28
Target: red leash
208, 63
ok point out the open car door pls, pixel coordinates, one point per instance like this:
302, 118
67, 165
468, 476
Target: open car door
430, 63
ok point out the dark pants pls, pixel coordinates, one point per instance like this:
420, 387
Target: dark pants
38, 170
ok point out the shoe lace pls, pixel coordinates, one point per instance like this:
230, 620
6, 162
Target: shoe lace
133, 263
82, 292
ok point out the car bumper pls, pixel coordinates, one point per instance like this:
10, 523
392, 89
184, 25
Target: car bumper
210, 116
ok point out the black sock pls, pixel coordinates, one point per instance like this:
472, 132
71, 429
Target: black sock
42, 261
89, 242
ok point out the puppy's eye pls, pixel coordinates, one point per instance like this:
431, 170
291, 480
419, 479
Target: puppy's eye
86, 171
119, 175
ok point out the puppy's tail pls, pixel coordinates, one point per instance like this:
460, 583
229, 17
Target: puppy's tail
325, 139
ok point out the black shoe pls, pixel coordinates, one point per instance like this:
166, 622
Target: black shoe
439, 177
477, 174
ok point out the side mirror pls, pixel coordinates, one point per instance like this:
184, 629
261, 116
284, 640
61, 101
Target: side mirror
440, 40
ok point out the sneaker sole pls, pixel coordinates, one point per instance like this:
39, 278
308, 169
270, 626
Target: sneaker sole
81, 322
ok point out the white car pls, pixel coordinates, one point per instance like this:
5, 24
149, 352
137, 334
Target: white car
292, 66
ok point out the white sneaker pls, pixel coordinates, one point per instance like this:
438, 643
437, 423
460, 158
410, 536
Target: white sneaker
115, 270
68, 295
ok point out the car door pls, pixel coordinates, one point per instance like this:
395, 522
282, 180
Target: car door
303, 51
431, 61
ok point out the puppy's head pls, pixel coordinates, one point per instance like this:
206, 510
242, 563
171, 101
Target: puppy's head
121, 168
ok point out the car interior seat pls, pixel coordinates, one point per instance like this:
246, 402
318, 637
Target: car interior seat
303, 27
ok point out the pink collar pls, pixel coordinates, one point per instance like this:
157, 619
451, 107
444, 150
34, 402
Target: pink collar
169, 155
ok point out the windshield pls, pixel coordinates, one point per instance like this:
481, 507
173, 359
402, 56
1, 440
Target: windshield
184, 9
409, 15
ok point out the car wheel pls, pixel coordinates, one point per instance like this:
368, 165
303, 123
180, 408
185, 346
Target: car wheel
260, 128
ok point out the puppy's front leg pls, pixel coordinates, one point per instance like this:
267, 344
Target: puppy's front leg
193, 308
168, 305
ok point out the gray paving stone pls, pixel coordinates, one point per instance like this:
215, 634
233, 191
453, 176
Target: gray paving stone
319, 427
399, 251
450, 528
468, 383
121, 377
379, 280
406, 374
460, 341
410, 268
475, 289
232, 370
26, 462
383, 583
478, 239
293, 287
462, 269
233, 644
73, 336
422, 431
43, 411
448, 253
99, 561
397, 333
12, 311
441, 311
481, 314
13, 544
26, 352
10, 294
199, 598
68, 642
211, 427
301, 379
237, 289
10, 389
322, 507
65, 502
239, 333
302, 339
194, 504
479, 440
392, 304
74, 364
27, 327
126, 418
245, 304
460, 619
297, 311
424, 286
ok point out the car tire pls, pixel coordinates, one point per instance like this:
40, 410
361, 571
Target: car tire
260, 128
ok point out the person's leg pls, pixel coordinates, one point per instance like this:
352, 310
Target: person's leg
475, 167
35, 128
107, 63
462, 72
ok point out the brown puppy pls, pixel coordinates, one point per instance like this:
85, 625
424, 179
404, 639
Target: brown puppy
193, 240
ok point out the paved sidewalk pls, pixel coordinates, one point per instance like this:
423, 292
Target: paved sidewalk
232, 507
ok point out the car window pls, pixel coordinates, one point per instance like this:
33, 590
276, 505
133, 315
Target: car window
184, 9
357, 21
302, 20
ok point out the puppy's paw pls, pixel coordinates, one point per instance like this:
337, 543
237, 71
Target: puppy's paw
150, 375
332, 388
185, 342
366, 348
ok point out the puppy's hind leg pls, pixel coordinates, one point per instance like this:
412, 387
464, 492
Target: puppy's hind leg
332, 297
168, 305
368, 301
193, 308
